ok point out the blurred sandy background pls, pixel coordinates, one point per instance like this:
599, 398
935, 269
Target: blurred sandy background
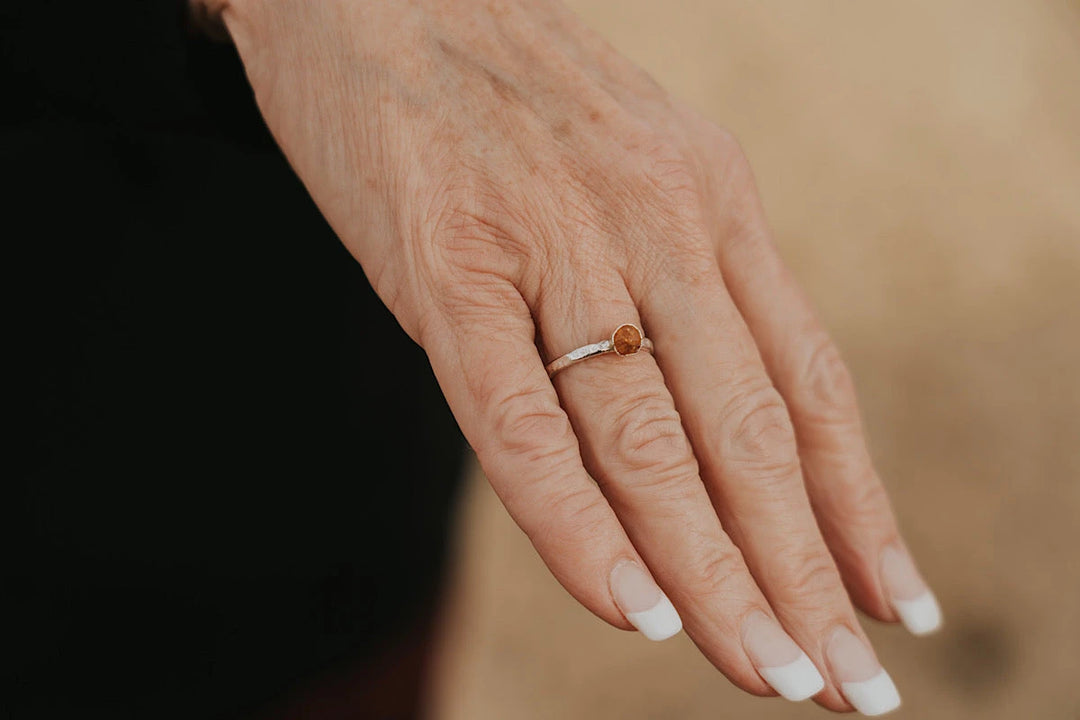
920, 162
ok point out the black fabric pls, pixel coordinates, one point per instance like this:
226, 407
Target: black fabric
214, 491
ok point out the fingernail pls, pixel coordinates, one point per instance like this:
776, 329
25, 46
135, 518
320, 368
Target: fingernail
778, 660
643, 602
907, 593
862, 680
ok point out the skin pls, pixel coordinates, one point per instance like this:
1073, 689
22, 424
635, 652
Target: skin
513, 189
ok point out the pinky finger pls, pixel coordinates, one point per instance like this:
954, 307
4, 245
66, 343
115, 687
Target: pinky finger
495, 382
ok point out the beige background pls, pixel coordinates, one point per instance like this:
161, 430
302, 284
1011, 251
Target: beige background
920, 162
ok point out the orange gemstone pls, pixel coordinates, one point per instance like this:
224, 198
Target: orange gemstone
626, 340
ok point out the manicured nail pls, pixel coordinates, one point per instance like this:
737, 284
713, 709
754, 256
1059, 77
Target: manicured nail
907, 593
862, 680
643, 602
778, 660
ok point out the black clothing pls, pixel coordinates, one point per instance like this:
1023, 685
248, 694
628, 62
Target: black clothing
213, 493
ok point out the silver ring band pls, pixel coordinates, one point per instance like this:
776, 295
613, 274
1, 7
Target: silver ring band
626, 340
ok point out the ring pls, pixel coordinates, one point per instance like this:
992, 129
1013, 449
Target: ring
626, 340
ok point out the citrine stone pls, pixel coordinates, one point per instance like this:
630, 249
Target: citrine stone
626, 340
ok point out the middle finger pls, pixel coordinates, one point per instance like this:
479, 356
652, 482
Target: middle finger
634, 445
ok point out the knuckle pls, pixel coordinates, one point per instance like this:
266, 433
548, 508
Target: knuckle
865, 504
827, 385
668, 180
570, 518
670, 172
725, 141
760, 436
528, 425
727, 154
808, 576
465, 236
470, 232
691, 264
648, 436
717, 569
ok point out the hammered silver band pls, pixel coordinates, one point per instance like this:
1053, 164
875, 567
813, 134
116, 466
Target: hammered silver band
626, 340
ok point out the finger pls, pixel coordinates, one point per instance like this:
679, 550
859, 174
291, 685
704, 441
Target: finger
742, 436
488, 366
848, 496
634, 445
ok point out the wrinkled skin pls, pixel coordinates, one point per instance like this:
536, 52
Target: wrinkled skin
514, 189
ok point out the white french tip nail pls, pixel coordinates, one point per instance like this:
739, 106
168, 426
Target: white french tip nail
658, 622
920, 616
875, 696
795, 681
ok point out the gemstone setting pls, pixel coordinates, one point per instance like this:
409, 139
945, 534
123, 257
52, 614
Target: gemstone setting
626, 340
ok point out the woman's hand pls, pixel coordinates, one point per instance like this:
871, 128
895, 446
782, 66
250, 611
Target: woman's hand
515, 189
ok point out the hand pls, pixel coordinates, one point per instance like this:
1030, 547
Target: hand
514, 189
